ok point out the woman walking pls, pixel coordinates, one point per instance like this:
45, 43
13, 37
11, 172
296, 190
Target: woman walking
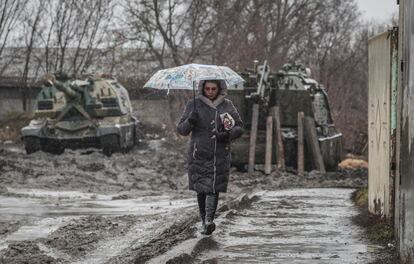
213, 122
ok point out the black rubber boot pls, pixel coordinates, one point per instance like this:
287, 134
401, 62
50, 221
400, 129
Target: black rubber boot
211, 207
201, 199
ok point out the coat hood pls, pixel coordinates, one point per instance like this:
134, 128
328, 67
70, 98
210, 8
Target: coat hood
223, 86
221, 96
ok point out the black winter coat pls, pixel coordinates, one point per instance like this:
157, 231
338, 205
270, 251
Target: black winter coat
208, 159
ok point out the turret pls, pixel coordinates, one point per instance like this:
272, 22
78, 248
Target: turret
67, 90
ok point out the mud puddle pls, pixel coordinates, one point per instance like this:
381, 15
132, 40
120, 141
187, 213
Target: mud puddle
107, 249
287, 226
43, 211
49, 203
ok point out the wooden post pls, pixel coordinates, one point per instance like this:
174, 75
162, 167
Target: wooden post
253, 136
301, 161
268, 157
313, 144
278, 138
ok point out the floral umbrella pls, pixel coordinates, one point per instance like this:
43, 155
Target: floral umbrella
188, 76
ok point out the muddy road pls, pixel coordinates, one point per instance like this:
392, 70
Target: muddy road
84, 207
286, 226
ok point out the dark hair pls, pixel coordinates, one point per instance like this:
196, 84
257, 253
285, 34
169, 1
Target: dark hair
217, 82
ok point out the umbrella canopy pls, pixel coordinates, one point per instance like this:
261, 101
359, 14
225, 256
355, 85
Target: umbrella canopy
188, 76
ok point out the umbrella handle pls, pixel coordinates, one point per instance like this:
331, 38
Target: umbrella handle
194, 110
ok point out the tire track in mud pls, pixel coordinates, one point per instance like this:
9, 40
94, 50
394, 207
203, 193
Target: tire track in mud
113, 246
180, 228
36, 230
82, 235
92, 239
86, 239
175, 228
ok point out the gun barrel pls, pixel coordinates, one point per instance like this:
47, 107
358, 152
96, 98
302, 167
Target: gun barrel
263, 78
66, 90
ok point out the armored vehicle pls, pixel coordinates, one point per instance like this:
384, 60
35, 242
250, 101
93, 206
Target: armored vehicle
74, 113
293, 91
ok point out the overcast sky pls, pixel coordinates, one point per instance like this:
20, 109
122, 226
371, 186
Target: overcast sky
378, 10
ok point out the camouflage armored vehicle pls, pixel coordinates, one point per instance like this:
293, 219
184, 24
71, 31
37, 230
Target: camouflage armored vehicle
293, 91
73, 113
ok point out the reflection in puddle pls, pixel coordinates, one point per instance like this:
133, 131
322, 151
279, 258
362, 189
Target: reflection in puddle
48, 210
39, 229
48, 204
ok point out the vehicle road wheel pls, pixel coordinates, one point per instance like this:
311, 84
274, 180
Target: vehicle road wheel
52, 147
31, 144
58, 150
110, 144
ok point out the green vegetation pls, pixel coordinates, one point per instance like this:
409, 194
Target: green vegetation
361, 197
381, 231
378, 229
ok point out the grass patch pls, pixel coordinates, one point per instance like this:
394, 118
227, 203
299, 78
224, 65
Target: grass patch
377, 229
361, 197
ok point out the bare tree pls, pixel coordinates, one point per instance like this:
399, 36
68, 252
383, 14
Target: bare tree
261, 29
91, 32
148, 32
10, 13
47, 26
73, 33
31, 20
172, 31
336, 49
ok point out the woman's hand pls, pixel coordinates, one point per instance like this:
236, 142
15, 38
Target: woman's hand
223, 136
192, 118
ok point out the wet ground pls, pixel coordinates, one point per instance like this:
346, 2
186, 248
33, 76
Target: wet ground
80, 227
288, 226
83, 207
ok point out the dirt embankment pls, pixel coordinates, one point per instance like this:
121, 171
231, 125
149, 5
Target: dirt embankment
144, 168
157, 165
241, 181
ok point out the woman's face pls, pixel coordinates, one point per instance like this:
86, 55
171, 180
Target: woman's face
211, 90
